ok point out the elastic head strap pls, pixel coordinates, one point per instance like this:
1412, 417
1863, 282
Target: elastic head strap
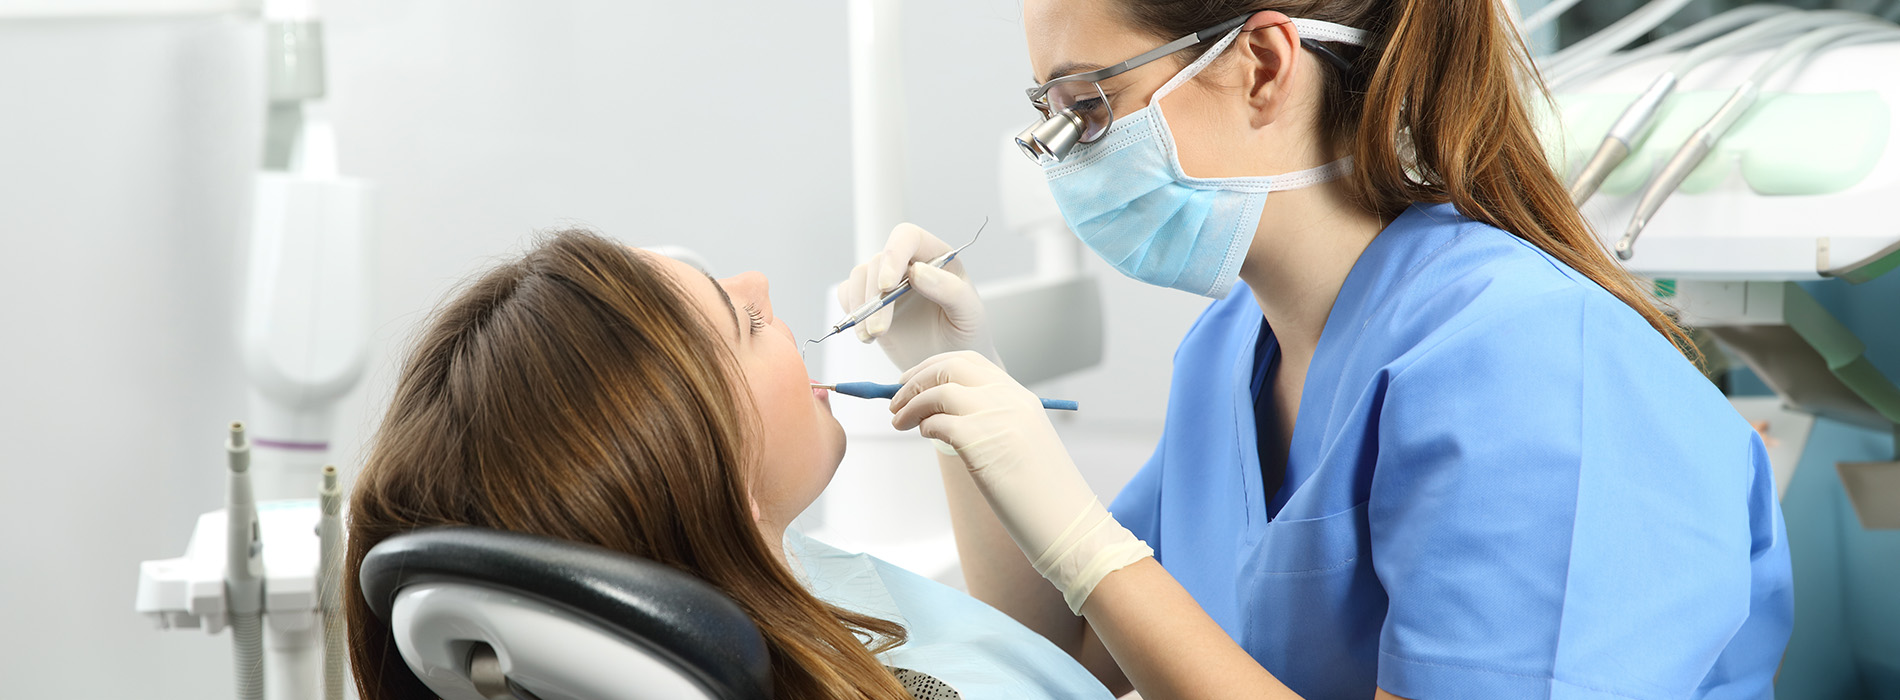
1195, 68
1312, 29
1327, 31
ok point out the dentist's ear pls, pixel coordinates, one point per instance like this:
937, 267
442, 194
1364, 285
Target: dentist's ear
1268, 48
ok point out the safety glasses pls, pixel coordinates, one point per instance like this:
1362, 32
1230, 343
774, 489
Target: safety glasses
1075, 109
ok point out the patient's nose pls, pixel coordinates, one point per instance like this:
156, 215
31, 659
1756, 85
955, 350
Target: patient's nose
755, 287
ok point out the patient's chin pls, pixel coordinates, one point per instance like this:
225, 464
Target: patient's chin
836, 443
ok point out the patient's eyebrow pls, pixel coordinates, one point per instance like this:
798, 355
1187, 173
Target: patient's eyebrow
730, 309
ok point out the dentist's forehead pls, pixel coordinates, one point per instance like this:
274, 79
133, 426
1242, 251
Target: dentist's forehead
1075, 36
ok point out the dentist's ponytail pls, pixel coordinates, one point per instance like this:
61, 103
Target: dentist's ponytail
1435, 109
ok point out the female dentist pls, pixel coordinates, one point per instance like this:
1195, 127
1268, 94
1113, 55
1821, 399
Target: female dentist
1428, 442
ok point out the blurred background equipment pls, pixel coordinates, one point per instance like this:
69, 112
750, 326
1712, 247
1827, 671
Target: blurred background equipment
1756, 158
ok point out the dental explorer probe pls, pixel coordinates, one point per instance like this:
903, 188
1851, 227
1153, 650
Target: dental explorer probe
874, 390
872, 306
1637, 118
1703, 141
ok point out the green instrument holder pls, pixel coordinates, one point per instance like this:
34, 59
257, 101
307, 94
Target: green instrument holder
1816, 365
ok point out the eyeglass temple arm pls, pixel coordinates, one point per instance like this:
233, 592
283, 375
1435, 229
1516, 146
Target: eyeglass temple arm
1210, 33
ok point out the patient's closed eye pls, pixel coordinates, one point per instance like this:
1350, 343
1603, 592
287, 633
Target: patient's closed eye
758, 319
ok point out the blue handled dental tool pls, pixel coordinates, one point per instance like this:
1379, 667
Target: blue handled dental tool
874, 390
872, 306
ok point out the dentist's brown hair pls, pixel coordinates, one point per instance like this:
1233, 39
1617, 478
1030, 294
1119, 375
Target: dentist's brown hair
575, 393
1435, 110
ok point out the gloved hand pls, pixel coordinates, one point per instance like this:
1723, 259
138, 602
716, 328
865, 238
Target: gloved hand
940, 314
1004, 437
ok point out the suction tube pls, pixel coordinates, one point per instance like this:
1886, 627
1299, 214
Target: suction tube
243, 570
330, 583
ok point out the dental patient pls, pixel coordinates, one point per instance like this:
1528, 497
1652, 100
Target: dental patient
605, 395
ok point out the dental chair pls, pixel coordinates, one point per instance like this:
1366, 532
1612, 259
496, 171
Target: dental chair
482, 614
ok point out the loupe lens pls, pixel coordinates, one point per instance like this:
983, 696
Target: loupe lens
1027, 141
1056, 135
1087, 102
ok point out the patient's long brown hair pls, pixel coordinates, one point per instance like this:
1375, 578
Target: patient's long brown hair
575, 393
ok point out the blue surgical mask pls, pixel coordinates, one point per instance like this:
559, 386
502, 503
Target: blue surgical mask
1128, 199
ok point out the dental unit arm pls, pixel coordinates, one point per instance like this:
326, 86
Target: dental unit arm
303, 337
305, 329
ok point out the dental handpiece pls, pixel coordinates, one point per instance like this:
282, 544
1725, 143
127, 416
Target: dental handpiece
874, 390
1703, 141
872, 306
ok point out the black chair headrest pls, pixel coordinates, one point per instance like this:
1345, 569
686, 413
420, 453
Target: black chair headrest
656, 606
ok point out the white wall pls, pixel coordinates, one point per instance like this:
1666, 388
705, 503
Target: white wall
721, 128
125, 152
125, 148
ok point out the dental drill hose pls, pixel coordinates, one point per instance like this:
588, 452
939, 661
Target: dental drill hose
243, 582
330, 583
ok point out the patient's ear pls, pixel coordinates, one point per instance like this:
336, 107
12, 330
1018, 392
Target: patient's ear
757, 513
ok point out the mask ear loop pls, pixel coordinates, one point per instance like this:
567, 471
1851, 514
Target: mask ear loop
1327, 31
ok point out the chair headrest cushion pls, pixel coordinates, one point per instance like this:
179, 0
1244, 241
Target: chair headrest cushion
654, 605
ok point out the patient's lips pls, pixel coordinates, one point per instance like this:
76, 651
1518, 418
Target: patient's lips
822, 395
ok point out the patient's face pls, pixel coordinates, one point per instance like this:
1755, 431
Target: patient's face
801, 442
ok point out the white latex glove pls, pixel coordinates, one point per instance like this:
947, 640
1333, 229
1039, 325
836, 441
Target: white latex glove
941, 313
1005, 438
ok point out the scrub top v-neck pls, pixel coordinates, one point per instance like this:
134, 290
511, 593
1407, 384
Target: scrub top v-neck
1502, 482
1266, 358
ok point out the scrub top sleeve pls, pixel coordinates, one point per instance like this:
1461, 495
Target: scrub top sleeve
1561, 508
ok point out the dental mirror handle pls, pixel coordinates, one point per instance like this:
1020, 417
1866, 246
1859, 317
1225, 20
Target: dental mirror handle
870, 307
874, 390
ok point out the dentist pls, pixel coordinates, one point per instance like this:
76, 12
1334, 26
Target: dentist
1428, 441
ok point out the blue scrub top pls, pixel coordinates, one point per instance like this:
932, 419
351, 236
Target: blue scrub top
1502, 483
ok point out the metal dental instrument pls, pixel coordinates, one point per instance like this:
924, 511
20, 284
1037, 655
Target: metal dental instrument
1623, 137
872, 306
1702, 142
874, 390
